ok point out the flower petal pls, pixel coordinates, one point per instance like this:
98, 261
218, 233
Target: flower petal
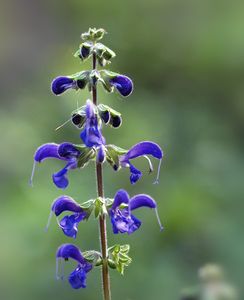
77, 278
65, 203
69, 224
90, 109
101, 154
49, 150
134, 225
123, 222
67, 251
92, 136
123, 84
135, 174
144, 148
120, 197
68, 150
142, 200
60, 178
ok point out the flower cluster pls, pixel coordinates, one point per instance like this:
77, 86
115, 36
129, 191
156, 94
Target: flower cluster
89, 119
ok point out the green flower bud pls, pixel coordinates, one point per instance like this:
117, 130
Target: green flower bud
93, 34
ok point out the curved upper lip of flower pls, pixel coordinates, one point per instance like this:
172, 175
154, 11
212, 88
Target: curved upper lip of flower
67, 251
65, 203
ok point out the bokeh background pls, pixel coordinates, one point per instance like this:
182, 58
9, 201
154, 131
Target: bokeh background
187, 62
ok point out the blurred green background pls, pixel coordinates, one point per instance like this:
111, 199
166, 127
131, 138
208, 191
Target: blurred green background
187, 62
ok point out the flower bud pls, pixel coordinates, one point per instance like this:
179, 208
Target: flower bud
108, 54
115, 121
123, 84
78, 120
99, 33
85, 50
101, 154
104, 113
93, 34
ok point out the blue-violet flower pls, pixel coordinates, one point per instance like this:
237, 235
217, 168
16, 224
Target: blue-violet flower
77, 278
62, 83
68, 223
65, 151
141, 149
91, 135
122, 220
123, 84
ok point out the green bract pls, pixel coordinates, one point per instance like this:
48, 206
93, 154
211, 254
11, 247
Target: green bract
118, 257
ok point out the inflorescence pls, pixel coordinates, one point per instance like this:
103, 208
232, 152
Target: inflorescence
89, 119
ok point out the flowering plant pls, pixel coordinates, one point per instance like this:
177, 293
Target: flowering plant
90, 119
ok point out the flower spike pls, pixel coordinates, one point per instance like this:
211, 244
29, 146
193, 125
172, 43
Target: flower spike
89, 119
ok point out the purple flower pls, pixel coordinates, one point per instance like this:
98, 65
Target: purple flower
68, 223
141, 149
77, 278
101, 154
122, 220
91, 135
62, 83
65, 151
123, 84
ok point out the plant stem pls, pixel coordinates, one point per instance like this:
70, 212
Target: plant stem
102, 219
